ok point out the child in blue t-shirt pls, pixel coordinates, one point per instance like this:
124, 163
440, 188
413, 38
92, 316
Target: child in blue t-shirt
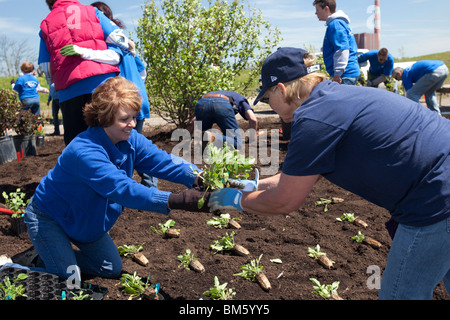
27, 86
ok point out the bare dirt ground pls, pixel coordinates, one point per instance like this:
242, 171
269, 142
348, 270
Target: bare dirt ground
286, 237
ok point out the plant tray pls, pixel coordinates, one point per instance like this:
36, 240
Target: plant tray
47, 286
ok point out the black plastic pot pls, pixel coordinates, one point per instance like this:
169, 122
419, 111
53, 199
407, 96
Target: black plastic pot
46, 286
7, 150
18, 227
26, 145
40, 141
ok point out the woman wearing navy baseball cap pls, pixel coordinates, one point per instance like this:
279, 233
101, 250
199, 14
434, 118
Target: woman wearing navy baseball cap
379, 145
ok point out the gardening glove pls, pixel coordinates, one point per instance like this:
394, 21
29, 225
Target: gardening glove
189, 200
227, 198
198, 182
246, 185
71, 50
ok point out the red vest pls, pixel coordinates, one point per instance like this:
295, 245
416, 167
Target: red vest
71, 22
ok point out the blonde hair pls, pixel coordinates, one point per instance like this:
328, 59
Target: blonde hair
301, 88
108, 98
27, 67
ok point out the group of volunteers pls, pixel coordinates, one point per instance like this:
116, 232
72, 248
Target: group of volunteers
384, 147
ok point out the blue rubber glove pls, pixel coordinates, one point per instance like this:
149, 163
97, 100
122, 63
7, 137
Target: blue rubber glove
247, 185
227, 198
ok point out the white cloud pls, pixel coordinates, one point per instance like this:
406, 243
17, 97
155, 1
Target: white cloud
17, 26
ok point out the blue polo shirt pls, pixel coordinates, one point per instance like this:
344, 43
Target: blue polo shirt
379, 145
376, 68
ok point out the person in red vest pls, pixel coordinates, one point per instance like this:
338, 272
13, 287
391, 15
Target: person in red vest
71, 22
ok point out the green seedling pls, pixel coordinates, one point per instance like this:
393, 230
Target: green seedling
326, 291
16, 202
80, 296
325, 202
133, 252
11, 290
165, 229
137, 288
219, 291
129, 250
189, 261
361, 238
223, 221
223, 164
321, 257
350, 217
226, 243
253, 271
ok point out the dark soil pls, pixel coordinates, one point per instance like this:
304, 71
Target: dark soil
285, 237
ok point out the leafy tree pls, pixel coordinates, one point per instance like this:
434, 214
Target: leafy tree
191, 49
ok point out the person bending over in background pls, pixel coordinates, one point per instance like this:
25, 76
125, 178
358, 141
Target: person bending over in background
423, 78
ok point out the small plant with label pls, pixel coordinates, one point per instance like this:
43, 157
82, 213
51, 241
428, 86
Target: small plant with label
350, 217
226, 243
325, 202
166, 230
189, 261
321, 257
223, 221
253, 271
361, 238
219, 291
133, 252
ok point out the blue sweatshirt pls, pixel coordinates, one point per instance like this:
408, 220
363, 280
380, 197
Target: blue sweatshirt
339, 47
413, 73
26, 86
92, 182
376, 68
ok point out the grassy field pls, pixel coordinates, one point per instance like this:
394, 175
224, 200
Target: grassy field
46, 110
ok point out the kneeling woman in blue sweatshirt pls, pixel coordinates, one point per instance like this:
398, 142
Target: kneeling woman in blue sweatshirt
81, 198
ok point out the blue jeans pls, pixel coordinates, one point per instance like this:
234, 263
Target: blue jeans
99, 258
210, 110
32, 104
427, 85
418, 260
351, 81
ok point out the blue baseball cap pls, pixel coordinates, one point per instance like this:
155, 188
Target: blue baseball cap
284, 65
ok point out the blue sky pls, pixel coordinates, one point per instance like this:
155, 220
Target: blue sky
413, 27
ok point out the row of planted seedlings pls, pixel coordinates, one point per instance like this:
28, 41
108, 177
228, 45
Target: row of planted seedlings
222, 165
139, 288
329, 291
